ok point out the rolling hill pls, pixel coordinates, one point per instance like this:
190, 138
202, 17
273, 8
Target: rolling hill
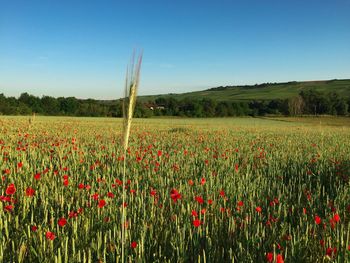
266, 91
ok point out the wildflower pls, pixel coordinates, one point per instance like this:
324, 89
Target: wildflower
258, 209
72, 214
175, 195
133, 244
197, 222
331, 251
336, 218
8, 208
199, 199
318, 220
279, 259
30, 191
101, 203
50, 235
62, 222
37, 176
65, 182
110, 195
269, 257
11, 189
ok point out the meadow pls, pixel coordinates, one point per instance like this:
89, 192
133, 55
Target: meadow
197, 190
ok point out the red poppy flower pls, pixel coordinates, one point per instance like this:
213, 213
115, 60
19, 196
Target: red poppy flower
318, 220
331, 251
101, 203
197, 222
133, 244
81, 186
269, 257
11, 189
34, 228
336, 218
62, 222
159, 153
258, 209
279, 259
37, 176
199, 199
110, 195
19, 165
95, 196
50, 235
240, 203
8, 208
194, 213
175, 195
72, 214
30, 191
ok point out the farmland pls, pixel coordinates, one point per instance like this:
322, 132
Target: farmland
266, 91
197, 190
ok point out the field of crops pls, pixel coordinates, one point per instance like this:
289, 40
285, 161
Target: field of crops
204, 190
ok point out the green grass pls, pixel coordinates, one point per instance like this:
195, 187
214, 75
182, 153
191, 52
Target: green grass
269, 92
292, 168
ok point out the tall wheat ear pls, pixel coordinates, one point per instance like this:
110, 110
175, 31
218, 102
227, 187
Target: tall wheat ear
131, 86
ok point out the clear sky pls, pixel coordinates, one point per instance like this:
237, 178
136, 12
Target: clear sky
81, 48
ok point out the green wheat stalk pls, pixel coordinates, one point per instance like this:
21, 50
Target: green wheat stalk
129, 102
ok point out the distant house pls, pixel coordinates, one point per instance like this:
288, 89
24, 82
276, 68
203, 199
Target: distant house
153, 106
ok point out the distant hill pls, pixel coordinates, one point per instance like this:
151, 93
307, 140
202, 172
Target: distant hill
265, 91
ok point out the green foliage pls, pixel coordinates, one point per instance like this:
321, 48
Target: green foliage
291, 98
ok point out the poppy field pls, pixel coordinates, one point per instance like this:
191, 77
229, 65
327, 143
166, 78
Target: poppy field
197, 190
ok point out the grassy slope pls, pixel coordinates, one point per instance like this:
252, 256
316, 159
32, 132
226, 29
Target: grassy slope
268, 92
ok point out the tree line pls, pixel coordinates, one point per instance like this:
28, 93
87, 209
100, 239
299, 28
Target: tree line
308, 102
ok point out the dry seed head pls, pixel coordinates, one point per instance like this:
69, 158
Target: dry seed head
129, 102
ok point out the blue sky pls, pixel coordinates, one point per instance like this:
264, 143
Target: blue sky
81, 48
